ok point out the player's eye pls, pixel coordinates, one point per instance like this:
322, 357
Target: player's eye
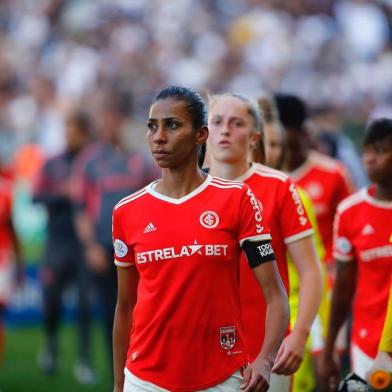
173, 124
216, 121
152, 126
238, 124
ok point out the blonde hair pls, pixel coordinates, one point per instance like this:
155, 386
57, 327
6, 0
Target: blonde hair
251, 105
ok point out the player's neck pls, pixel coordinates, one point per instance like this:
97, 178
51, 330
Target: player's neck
179, 183
383, 192
228, 171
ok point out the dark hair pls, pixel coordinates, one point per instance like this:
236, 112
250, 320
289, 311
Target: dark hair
82, 120
378, 130
292, 111
194, 103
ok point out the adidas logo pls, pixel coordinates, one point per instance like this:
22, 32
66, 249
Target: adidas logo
368, 229
149, 228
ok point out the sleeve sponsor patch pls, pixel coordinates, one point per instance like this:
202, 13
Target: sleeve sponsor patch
120, 248
343, 245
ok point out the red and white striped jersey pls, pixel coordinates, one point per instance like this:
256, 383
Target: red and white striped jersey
327, 183
363, 234
187, 332
288, 222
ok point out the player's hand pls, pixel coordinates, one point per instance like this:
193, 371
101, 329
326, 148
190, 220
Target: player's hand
256, 376
97, 258
329, 374
290, 354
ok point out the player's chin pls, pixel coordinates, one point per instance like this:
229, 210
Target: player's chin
374, 176
164, 164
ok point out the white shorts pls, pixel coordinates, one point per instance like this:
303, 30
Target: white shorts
279, 383
6, 282
360, 362
135, 384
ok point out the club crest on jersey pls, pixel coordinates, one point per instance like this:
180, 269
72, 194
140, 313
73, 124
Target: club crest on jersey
209, 219
120, 249
227, 337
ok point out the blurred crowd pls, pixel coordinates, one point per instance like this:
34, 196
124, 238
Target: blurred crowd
60, 54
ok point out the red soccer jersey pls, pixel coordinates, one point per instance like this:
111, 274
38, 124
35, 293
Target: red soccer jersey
288, 222
363, 234
187, 332
5, 217
326, 182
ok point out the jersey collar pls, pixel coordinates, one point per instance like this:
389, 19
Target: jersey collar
373, 201
150, 189
247, 174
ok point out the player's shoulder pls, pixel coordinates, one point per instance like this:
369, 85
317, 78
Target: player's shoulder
130, 200
268, 173
354, 200
325, 163
221, 183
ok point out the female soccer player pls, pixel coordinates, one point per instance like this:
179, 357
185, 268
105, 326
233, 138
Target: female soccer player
363, 254
234, 124
177, 247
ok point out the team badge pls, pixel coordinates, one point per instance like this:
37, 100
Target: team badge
315, 190
227, 337
209, 219
120, 249
343, 245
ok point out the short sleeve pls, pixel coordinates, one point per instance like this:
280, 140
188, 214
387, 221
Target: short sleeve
342, 245
252, 227
293, 216
123, 255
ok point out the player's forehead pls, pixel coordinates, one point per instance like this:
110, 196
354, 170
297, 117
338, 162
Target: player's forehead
385, 142
229, 107
169, 108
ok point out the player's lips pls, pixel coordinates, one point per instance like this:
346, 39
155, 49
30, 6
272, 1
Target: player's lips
160, 154
224, 143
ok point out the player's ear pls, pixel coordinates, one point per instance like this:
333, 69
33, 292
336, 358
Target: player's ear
202, 134
254, 139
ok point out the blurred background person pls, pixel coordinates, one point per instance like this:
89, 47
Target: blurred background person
273, 150
323, 178
9, 249
104, 173
329, 139
63, 261
363, 253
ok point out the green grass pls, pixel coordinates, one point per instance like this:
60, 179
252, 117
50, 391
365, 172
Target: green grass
20, 372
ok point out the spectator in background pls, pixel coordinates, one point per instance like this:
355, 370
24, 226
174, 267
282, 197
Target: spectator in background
9, 247
363, 253
105, 173
63, 256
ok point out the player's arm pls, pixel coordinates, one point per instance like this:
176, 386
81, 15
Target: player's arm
342, 295
306, 261
257, 375
128, 279
48, 191
84, 189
